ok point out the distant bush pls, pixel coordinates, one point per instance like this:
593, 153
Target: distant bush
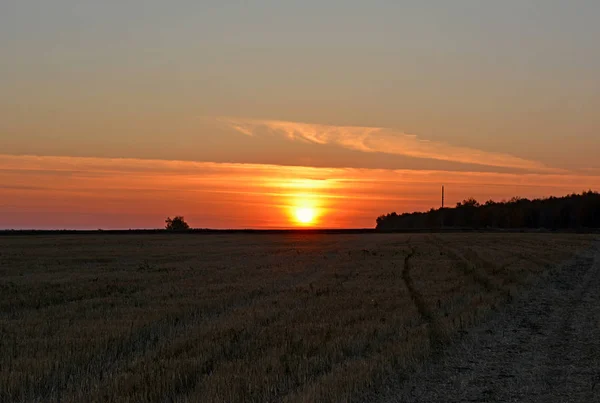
569, 212
176, 224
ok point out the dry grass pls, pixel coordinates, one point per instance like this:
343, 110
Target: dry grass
245, 317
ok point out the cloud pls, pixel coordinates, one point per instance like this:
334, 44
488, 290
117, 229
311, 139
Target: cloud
78, 192
382, 140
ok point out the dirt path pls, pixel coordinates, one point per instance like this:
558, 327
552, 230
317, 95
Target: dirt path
544, 347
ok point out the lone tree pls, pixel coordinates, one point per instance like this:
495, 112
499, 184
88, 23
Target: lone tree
176, 224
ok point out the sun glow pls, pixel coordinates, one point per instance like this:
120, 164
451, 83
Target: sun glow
305, 215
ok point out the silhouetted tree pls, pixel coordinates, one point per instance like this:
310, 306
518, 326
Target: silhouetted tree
569, 212
470, 202
176, 224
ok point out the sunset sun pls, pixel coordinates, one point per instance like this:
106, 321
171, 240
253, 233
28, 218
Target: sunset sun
305, 215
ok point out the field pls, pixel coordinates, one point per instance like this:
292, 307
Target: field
295, 317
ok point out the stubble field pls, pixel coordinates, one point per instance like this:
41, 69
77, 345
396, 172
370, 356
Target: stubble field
293, 317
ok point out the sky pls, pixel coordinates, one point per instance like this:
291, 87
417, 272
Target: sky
236, 114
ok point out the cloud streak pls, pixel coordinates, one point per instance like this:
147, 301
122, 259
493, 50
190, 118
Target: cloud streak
76, 192
381, 140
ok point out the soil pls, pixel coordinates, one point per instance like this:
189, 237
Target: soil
543, 347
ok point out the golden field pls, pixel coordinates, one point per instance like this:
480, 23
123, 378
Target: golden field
262, 317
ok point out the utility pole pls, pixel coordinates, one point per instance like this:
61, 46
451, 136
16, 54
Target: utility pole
442, 211
442, 196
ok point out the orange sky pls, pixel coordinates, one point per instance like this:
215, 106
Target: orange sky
350, 108
74, 192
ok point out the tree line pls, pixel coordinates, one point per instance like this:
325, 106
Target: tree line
574, 211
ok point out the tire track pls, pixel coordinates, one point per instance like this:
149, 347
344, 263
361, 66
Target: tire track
528, 257
543, 347
577, 362
472, 270
436, 337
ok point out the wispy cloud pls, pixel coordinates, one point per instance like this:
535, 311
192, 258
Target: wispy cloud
57, 192
382, 140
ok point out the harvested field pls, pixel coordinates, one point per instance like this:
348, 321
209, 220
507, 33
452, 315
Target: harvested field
543, 347
295, 317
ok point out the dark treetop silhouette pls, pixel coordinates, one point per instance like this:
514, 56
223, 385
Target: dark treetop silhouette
575, 211
176, 224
